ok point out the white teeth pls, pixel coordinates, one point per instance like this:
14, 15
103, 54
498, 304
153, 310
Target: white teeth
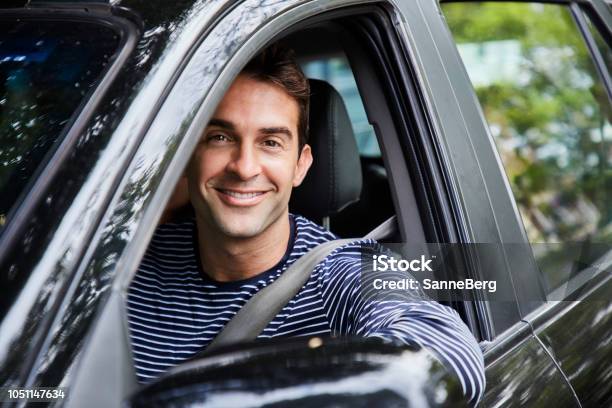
241, 196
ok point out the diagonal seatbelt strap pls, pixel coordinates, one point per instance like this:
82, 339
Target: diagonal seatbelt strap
255, 315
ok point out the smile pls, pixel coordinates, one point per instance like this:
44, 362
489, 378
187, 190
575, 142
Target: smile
240, 198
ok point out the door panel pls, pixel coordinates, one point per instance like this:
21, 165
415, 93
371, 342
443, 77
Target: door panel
579, 336
520, 373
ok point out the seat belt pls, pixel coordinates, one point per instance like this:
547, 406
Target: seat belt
258, 311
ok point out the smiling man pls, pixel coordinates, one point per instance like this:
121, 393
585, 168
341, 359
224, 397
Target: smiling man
197, 274
240, 178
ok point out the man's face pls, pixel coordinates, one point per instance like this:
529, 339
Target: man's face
242, 172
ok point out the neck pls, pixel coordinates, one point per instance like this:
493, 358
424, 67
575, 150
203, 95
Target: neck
227, 259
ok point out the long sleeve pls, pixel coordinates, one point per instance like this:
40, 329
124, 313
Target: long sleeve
419, 321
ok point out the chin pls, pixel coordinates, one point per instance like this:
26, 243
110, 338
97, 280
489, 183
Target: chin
239, 227
241, 231
243, 224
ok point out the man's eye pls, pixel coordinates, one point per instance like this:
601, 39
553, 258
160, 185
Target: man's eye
271, 143
218, 138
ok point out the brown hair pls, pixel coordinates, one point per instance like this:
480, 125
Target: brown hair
276, 64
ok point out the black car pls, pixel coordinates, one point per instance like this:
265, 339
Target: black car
484, 126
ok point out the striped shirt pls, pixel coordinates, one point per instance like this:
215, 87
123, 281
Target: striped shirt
175, 310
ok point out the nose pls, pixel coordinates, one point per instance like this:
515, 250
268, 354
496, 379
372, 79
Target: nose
244, 162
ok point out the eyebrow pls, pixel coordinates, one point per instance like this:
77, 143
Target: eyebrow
266, 131
222, 123
276, 130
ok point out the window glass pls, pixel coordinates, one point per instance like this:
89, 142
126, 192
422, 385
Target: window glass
337, 72
550, 116
46, 70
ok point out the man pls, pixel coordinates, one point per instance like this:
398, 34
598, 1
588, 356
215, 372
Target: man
197, 274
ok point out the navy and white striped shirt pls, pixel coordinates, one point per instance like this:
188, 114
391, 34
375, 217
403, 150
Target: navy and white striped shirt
175, 310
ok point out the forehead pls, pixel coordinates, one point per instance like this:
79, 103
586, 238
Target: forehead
253, 104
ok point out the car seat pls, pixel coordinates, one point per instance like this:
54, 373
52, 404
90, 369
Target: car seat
334, 180
343, 191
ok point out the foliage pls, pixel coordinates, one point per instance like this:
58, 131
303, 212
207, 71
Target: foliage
551, 121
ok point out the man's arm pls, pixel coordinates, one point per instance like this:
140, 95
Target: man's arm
423, 322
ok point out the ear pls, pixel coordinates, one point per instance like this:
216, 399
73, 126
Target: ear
303, 164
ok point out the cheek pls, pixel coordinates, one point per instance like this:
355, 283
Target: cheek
281, 171
210, 165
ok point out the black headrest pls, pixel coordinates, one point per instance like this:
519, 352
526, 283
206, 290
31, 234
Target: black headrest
334, 179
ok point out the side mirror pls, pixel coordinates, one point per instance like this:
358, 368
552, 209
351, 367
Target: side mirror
307, 372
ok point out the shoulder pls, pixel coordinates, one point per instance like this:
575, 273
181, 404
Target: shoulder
170, 256
310, 234
308, 230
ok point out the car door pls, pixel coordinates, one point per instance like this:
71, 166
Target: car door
542, 76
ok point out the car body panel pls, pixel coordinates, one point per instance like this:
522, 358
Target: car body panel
305, 372
583, 352
520, 373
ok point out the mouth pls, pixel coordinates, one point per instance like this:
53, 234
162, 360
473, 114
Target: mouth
240, 198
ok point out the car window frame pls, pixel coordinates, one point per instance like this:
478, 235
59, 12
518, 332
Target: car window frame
404, 131
171, 176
